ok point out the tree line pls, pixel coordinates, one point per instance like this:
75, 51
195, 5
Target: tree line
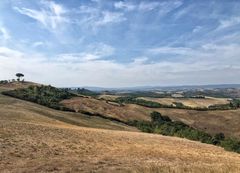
164, 125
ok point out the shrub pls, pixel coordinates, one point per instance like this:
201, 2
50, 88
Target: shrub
156, 117
165, 126
45, 95
231, 144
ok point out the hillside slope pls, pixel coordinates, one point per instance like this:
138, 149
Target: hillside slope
225, 121
16, 85
32, 140
12, 109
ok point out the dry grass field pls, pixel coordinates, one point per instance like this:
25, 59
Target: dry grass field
191, 102
33, 142
108, 97
210, 121
103, 107
16, 85
35, 138
12, 109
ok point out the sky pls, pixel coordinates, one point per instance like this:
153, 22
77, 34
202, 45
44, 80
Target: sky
117, 43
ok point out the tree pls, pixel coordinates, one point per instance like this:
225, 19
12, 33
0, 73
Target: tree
19, 76
157, 117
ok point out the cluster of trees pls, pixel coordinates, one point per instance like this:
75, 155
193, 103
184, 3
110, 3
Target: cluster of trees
147, 94
85, 92
4, 81
177, 105
134, 100
235, 103
7, 81
217, 93
165, 126
44, 95
19, 77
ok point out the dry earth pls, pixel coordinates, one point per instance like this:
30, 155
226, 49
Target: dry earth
210, 121
28, 147
52, 146
34, 138
191, 102
103, 107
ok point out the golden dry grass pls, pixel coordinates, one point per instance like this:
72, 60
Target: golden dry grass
12, 109
16, 85
37, 147
213, 122
108, 97
32, 140
191, 102
103, 107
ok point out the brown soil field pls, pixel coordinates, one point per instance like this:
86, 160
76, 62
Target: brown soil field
36, 143
191, 102
209, 121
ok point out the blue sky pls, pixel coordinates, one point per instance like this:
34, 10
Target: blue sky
121, 43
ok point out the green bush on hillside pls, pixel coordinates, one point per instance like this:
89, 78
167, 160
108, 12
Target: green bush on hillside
44, 95
165, 126
176, 105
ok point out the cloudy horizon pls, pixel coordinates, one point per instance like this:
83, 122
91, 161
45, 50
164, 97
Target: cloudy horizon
121, 43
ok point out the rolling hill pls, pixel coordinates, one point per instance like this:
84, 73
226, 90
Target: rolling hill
35, 138
225, 121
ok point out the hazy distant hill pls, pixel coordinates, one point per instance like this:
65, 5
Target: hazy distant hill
150, 88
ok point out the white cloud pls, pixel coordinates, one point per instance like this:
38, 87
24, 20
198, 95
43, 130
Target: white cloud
6, 52
95, 17
51, 15
163, 7
107, 73
170, 50
148, 6
140, 60
233, 21
182, 12
38, 43
197, 29
125, 5
110, 17
4, 34
94, 52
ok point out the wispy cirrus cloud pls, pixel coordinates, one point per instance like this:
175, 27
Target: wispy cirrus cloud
227, 23
50, 15
109, 17
163, 6
92, 53
125, 5
93, 17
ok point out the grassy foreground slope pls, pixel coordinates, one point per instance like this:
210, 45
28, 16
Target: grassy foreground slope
32, 139
12, 109
37, 147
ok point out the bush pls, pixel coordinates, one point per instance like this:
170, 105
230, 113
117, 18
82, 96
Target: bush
165, 126
156, 117
44, 95
231, 144
176, 105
